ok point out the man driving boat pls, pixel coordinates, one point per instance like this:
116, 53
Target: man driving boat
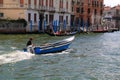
29, 45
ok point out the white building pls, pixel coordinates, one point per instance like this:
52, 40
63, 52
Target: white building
37, 10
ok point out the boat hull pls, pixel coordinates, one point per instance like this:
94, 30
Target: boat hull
38, 50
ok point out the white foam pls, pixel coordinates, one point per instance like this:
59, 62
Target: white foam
15, 57
13, 48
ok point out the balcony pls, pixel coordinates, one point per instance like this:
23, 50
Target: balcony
43, 8
35, 7
62, 10
12, 6
51, 9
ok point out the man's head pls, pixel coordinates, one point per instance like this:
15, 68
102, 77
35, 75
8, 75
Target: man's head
31, 39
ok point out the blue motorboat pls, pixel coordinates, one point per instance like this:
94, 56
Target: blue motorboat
52, 47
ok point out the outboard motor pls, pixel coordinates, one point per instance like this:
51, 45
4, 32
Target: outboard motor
29, 49
25, 49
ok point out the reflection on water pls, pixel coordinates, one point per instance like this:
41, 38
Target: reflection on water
90, 57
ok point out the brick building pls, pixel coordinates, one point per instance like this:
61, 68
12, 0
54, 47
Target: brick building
88, 11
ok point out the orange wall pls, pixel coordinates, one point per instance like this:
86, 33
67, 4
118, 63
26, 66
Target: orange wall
13, 14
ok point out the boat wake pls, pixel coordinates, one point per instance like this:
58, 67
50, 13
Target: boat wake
14, 57
17, 56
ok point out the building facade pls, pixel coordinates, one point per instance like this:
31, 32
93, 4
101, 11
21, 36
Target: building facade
88, 11
36, 11
111, 16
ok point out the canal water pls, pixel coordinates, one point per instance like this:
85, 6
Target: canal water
90, 57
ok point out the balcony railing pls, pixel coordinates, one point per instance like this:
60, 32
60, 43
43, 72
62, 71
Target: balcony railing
62, 10
51, 9
43, 8
12, 6
22, 6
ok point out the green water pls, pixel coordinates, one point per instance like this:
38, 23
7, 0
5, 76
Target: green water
89, 57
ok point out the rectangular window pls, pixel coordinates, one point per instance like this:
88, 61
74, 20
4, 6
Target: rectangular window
66, 19
47, 18
78, 10
1, 14
72, 9
50, 3
51, 18
1, 1
88, 1
61, 18
39, 2
101, 4
62, 3
82, 10
21, 3
29, 17
35, 3
88, 10
92, 3
29, 2
42, 2
35, 17
67, 5
95, 11
101, 12
97, 4
46, 2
